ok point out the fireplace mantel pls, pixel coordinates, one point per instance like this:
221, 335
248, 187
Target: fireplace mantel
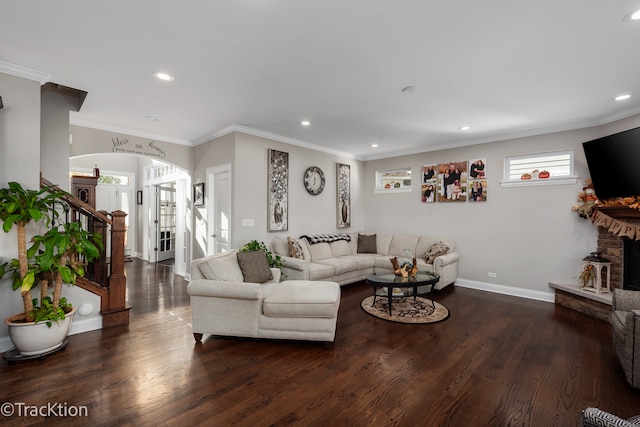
619, 212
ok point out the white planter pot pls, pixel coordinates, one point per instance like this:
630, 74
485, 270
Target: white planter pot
31, 338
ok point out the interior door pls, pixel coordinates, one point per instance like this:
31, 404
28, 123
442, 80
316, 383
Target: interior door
219, 216
165, 223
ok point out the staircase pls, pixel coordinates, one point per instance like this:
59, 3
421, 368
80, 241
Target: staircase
105, 276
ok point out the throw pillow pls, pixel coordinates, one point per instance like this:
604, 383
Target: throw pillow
295, 248
254, 266
367, 244
435, 251
223, 266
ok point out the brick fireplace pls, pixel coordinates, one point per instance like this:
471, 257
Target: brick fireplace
624, 253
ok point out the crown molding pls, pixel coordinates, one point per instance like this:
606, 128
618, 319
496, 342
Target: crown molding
76, 121
24, 72
508, 135
273, 136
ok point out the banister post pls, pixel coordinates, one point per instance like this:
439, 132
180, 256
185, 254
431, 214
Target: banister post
117, 279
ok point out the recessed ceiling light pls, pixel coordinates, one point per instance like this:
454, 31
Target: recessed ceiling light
623, 97
374, 145
633, 16
409, 89
163, 76
305, 123
464, 128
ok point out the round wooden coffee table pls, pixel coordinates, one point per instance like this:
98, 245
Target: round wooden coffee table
393, 286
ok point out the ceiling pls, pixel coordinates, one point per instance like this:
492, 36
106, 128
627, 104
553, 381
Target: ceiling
505, 68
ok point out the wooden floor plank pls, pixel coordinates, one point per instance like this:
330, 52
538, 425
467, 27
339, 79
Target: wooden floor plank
497, 361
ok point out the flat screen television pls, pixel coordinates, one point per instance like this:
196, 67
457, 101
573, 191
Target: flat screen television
614, 164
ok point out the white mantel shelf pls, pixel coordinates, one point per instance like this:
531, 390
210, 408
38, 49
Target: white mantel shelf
576, 289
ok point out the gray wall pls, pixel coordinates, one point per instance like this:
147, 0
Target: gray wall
95, 141
54, 136
19, 161
528, 236
248, 156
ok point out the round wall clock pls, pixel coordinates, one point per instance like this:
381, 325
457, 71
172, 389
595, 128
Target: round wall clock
314, 180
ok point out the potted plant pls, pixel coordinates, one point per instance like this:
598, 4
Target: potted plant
54, 258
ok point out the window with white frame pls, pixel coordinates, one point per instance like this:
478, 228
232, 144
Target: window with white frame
393, 180
547, 168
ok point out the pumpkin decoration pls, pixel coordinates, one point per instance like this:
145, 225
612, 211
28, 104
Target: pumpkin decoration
544, 175
525, 176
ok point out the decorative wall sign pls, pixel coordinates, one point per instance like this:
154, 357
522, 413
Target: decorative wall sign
277, 191
198, 194
429, 184
477, 180
452, 182
343, 175
150, 149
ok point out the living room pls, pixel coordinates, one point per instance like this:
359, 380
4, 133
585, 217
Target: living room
515, 243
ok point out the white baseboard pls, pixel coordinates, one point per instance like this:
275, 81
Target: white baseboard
85, 325
506, 290
5, 344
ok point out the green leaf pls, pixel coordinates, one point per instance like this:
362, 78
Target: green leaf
35, 214
27, 282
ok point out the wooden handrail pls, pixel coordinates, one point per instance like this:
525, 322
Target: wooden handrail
105, 278
75, 203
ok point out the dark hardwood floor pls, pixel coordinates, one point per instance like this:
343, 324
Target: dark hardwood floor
497, 361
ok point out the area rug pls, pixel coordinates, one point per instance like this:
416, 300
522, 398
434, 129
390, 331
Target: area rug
406, 310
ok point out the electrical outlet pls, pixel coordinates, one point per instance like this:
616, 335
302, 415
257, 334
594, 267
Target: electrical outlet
491, 274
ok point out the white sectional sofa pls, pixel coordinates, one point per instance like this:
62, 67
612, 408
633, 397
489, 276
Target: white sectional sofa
224, 302
341, 260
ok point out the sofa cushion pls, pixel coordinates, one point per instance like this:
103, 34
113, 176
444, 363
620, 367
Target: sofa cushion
594, 417
426, 242
362, 260
340, 265
435, 251
295, 248
320, 271
320, 251
367, 244
340, 248
280, 246
254, 266
400, 242
383, 242
223, 266
301, 298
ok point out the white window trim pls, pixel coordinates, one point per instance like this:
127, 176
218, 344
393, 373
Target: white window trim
381, 190
560, 180
392, 190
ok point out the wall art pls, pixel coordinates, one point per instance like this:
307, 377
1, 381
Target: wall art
278, 190
477, 180
343, 175
429, 183
452, 181
198, 194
